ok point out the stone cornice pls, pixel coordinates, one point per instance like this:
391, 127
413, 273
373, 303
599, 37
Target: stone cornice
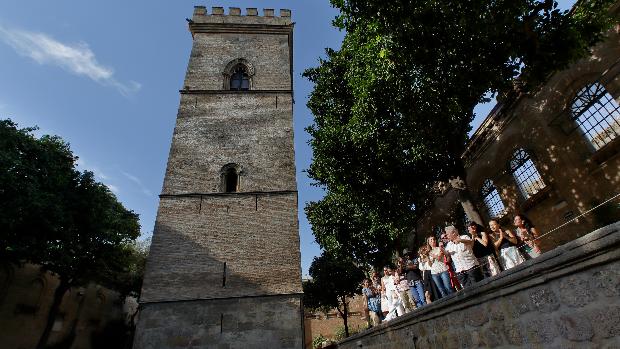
207, 92
236, 28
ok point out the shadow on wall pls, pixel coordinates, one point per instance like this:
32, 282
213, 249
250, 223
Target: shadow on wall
223, 246
26, 294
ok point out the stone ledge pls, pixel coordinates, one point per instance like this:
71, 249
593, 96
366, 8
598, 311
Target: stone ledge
599, 248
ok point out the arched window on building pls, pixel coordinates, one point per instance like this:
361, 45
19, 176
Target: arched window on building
230, 178
492, 200
525, 173
239, 80
238, 75
597, 114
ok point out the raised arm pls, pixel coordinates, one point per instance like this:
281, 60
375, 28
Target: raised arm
511, 237
498, 242
467, 242
483, 239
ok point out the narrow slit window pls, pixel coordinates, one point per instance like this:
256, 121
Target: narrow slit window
597, 114
231, 180
492, 200
525, 174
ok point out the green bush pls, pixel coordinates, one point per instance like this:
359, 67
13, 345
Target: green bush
340, 335
317, 341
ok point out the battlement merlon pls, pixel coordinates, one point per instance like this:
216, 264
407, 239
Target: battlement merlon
235, 16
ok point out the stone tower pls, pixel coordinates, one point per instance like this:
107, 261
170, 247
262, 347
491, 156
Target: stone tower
224, 266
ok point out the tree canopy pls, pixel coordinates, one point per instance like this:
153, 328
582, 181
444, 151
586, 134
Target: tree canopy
333, 282
392, 107
62, 219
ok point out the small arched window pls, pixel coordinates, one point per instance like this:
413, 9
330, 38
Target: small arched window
525, 173
230, 178
239, 80
238, 75
491, 199
597, 114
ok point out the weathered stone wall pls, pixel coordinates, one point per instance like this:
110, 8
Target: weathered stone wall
26, 295
250, 322
566, 298
264, 46
195, 236
252, 129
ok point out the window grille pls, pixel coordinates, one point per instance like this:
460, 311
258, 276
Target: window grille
492, 200
597, 114
240, 80
525, 173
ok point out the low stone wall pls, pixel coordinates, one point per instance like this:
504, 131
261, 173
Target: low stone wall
230, 323
566, 298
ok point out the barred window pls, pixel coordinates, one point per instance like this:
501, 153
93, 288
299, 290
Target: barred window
491, 199
525, 173
597, 114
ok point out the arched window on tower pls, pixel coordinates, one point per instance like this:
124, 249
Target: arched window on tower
239, 80
492, 200
238, 75
525, 173
230, 178
597, 114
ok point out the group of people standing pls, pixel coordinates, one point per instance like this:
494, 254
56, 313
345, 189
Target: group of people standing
448, 264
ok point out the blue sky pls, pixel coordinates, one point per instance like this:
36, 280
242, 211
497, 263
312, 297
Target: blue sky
105, 77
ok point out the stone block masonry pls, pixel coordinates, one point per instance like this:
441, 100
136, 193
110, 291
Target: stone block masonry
234, 323
566, 298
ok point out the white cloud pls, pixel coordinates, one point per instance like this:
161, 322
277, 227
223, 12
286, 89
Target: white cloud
75, 58
113, 189
136, 180
99, 175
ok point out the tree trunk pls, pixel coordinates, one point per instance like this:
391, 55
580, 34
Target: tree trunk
53, 312
469, 207
464, 197
345, 317
70, 337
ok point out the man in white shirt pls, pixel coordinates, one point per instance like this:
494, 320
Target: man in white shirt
461, 252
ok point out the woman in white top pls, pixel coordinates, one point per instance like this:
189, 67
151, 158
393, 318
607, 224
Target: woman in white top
506, 242
439, 269
425, 269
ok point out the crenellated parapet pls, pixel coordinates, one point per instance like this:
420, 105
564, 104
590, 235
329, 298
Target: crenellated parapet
236, 15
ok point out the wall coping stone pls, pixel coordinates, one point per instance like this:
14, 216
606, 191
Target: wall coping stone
599, 247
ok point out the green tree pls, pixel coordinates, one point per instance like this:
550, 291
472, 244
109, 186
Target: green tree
393, 106
60, 218
333, 282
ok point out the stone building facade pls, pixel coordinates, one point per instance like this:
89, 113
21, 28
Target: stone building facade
224, 265
89, 317
551, 155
